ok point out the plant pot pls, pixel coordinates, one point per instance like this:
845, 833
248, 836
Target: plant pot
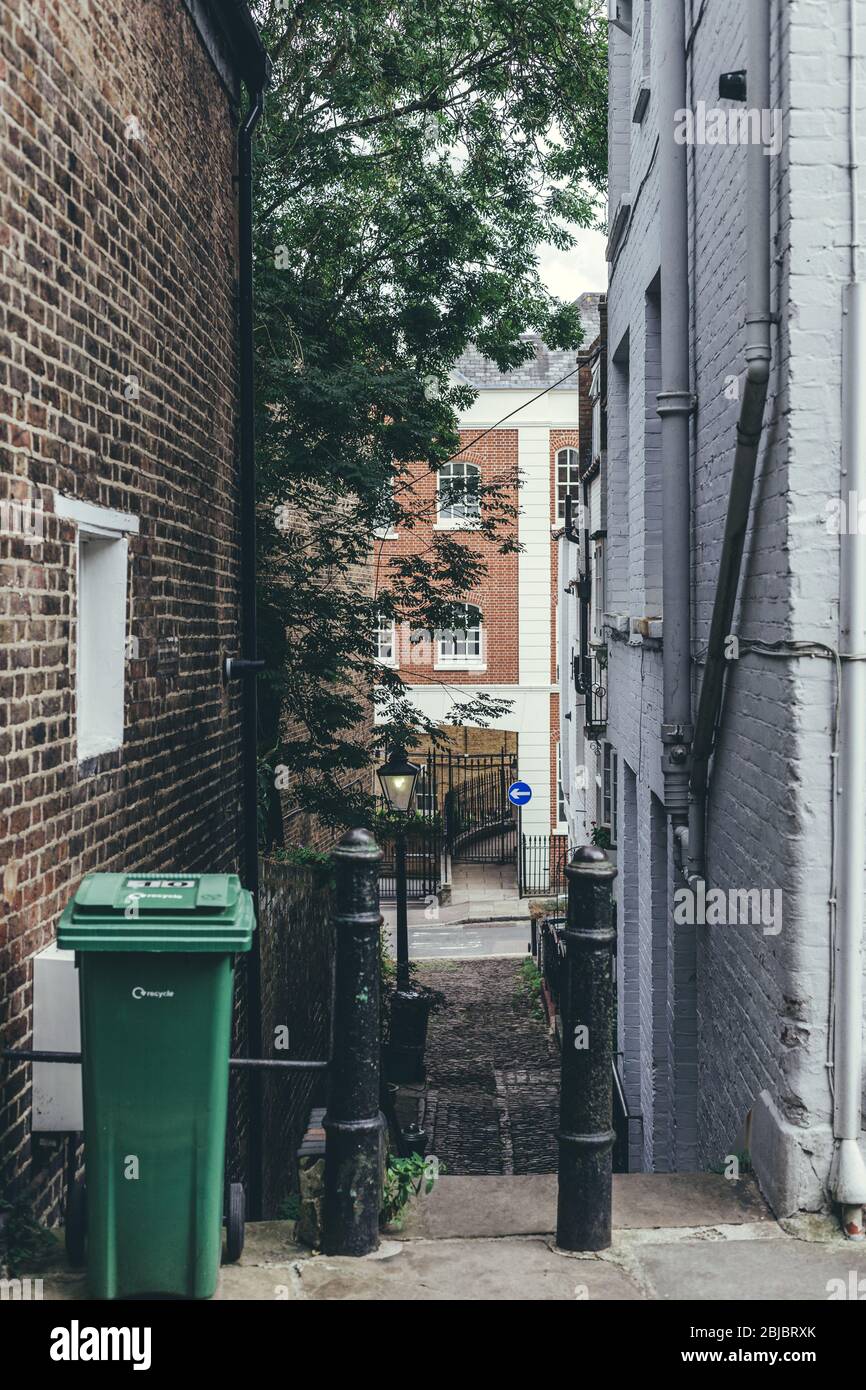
414, 1140
410, 1013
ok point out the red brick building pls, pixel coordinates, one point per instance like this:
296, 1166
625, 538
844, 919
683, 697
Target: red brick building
508, 647
119, 527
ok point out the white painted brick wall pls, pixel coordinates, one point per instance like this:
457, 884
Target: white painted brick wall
711, 1017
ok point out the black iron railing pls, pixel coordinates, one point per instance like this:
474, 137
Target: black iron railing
596, 693
480, 821
621, 1119
542, 861
551, 958
424, 829
423, 862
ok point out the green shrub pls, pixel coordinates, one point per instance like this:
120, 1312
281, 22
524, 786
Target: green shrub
530, 977
405, 1178
24, 1242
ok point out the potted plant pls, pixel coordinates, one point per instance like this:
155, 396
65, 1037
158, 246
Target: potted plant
405, 1017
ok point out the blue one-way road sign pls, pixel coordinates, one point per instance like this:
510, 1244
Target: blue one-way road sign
519, 793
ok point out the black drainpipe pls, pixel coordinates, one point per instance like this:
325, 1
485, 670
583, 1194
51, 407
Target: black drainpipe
248, 666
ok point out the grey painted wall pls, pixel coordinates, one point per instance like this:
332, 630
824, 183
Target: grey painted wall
720, 1021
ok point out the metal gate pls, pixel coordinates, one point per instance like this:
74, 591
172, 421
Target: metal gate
461, 813
480, 821
423, 863
424, 839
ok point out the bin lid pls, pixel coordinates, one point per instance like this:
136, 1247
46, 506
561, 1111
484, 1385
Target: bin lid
158, 912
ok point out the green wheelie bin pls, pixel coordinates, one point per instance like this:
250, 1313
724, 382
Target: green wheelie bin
155, 955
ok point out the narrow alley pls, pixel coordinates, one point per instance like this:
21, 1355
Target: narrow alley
491, 1098
432, 669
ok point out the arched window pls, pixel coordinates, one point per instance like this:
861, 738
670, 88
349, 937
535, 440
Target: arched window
459, 491
567, 481
462, 644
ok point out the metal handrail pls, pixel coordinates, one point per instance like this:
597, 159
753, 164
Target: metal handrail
27, 1054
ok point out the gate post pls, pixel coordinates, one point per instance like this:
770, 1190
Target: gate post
586, 1133
353, 1123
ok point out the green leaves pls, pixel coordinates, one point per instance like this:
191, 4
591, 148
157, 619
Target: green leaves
406, 1178
411, 159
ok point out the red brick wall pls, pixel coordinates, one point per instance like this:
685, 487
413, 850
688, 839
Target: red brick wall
496, 596
584, 383
559, 439
117, 259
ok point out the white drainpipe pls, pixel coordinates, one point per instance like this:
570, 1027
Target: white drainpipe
849, 1178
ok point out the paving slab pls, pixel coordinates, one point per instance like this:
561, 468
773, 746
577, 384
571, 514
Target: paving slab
494, 902
61, 1288
526, 1204
270, 1242
645, 1200
269, 1283
750, 1271
748, 1259
514, 1205
468, 1270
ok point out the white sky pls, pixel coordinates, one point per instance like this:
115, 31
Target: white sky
569, 273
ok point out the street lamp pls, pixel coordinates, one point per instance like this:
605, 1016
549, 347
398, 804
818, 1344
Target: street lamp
397, 779
410, 1007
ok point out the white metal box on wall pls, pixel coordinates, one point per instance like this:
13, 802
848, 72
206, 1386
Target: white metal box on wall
56, 1028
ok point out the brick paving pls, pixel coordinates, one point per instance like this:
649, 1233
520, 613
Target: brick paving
490, 1104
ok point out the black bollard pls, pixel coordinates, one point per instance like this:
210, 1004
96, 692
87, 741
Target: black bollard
353, 1122
586, 1133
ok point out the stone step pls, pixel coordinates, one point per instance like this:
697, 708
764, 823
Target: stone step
679, 1236
524, 1205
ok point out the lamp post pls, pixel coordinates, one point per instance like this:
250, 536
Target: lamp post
397, 778
410, 1007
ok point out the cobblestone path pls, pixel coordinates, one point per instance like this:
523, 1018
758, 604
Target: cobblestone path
491, 1099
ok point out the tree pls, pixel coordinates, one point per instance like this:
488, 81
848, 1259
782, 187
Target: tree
412, 158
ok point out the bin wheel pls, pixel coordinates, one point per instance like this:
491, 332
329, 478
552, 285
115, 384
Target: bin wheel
235, 1223
76, 1224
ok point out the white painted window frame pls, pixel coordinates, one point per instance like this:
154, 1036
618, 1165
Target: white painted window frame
447, 661
390, 661
610, 790
445, 522
561, 802
563, 489
100, 525
425, 794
